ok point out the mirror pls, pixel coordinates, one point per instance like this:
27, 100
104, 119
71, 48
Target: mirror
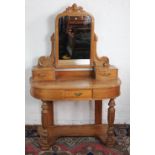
74, 37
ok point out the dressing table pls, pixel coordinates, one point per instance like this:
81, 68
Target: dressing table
73, 71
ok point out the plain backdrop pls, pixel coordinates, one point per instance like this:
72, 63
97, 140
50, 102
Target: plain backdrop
112, 28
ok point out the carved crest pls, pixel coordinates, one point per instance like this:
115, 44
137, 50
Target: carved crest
74, 9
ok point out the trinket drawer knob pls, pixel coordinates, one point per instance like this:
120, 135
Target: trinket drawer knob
77, 94
42, 74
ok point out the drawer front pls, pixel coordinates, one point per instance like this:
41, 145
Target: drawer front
103, 73
46, 94
78, 94
106, 93
43, 75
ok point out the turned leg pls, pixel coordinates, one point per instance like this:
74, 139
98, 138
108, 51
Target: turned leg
111, 116
47, 114
47, 120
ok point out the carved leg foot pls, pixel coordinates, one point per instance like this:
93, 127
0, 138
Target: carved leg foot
110, 141
44, 142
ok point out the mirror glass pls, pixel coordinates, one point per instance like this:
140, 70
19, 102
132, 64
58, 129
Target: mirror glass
74, 37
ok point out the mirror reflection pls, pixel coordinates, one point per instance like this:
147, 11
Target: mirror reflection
74, 37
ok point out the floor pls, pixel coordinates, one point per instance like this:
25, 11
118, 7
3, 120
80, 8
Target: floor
79, 145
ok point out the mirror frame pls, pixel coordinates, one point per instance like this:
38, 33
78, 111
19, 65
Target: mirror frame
74, 10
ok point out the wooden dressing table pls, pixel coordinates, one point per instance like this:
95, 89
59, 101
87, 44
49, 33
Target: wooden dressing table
60, 77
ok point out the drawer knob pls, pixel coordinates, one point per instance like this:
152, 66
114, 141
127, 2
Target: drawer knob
77, 94
42, 75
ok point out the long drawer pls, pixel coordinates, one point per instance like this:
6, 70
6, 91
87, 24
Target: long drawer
61, 94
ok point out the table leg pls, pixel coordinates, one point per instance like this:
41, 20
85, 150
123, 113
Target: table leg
98, 111
98, 117
47, 120
47, 114
111, 116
